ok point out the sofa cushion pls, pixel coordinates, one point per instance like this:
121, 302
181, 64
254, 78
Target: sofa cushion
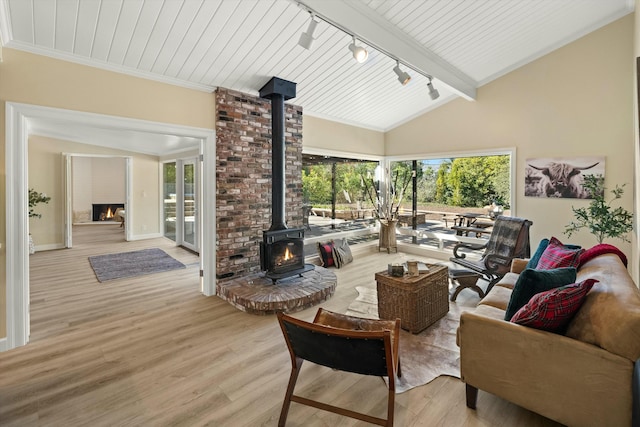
498, 298
557, 255
610, 315
508, 280
552, 310
532, 282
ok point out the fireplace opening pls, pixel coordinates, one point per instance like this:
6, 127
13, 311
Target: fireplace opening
105, 211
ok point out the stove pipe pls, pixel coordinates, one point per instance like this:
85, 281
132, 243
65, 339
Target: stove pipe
278, 90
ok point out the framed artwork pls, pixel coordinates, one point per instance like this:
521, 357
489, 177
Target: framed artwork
561, 177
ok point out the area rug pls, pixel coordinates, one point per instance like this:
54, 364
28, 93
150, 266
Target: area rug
424, 356
131, 264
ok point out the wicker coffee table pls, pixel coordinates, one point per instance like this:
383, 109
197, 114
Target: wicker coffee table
418, 301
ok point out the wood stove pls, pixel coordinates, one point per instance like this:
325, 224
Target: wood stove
282, 252
281, 249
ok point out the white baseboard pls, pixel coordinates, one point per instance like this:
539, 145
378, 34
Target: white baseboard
50, 247
3, 344
145, 236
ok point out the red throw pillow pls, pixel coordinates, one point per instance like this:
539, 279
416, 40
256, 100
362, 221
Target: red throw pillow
325, 250
552, 310
557, 255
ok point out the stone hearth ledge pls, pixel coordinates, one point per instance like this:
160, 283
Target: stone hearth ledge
257, 294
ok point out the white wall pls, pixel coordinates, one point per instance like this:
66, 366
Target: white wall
108, 179
82, 194
96, 180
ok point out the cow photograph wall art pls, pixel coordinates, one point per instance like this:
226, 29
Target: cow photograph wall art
561, 177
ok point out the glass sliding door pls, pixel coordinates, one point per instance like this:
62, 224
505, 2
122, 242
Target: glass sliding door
169, 196
180, 202
189, 205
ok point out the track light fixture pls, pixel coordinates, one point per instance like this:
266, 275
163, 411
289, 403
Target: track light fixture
360, 54
403, 76
306, 39
433, 92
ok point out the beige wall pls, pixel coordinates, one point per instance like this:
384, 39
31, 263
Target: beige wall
325, 135
39, 80
46, 174
636, 128
575, 101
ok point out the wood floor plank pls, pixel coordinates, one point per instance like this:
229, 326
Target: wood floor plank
151, 350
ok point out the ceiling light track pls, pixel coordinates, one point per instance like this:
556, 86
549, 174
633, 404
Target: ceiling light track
360, 54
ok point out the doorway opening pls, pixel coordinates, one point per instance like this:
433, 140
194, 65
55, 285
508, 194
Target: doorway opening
97, 192
20, 118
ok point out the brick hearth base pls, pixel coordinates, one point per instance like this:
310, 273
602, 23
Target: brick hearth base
256, 294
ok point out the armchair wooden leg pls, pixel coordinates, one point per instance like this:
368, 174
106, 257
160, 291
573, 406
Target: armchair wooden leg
295, 370
472, 396
391, 406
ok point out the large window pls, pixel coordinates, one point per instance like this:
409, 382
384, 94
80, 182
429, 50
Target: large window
466, 182
334, 184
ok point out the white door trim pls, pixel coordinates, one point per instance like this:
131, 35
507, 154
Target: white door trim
17, 117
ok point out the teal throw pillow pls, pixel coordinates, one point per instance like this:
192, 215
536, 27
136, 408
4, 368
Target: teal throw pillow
533, 261
531, 282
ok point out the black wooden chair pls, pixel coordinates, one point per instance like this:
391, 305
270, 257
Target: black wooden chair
509, 239
345, 343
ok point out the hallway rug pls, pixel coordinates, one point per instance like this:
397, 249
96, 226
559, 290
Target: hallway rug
424, 356
131, 264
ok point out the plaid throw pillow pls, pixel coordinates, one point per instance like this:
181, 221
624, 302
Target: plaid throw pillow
531, 282
341, 253
557, 255
325, 250
552, 310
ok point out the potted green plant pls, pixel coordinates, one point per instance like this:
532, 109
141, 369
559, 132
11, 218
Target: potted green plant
35, 198
600, 217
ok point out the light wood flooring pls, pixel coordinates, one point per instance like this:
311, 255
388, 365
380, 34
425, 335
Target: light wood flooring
152, 351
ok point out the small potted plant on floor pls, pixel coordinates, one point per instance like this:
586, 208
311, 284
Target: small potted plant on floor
600, 217
35, 198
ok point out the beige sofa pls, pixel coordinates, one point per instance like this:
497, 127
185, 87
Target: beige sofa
582, 378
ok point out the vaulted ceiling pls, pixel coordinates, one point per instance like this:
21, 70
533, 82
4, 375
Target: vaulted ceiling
240, 44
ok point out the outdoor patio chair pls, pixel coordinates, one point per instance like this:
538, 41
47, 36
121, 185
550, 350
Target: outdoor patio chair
344, 343
509, 239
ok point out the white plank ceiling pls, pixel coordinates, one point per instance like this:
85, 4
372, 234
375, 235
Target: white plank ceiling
240, 44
